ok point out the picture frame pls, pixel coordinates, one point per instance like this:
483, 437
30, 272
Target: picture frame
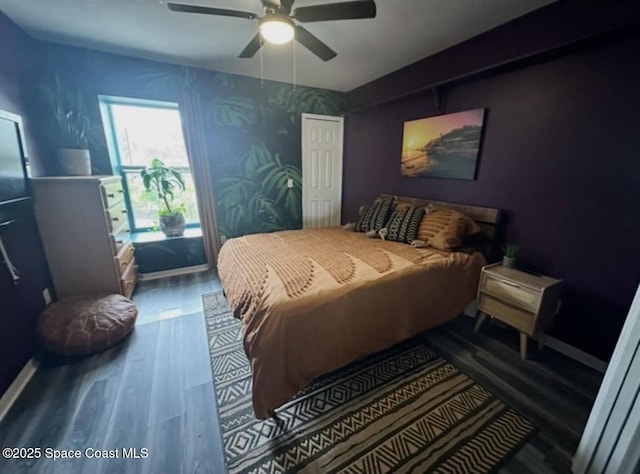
444, 146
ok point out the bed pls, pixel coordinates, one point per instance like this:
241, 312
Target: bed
314, 300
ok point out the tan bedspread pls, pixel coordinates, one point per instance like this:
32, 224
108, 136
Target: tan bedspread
314, 300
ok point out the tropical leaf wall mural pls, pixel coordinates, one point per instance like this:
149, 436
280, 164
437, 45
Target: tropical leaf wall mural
256, 143
253, 129
234, 111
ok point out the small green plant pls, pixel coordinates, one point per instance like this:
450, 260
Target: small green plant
164, 181
511, 250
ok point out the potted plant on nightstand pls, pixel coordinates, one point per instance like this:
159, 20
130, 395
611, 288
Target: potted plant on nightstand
510, 255
164, 181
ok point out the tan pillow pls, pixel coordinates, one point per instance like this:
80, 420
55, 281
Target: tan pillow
400, 205
444, 229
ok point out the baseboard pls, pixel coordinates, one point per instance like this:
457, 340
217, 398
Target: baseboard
557, 345
15, 389
174, 272
471, 309
575, 353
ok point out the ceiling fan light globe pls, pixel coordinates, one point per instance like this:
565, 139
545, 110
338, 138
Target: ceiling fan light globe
277, 30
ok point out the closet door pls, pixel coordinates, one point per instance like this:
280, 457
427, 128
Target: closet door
321, 170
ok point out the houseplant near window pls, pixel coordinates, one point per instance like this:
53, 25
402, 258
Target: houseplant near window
165, 181
68, 110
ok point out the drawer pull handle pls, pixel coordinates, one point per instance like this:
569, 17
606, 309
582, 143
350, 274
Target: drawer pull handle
121, 191
111, 195
128, 231
115, 219
509, 283
119, 242
124, 211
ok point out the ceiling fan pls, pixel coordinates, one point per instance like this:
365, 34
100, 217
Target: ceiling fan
277, 25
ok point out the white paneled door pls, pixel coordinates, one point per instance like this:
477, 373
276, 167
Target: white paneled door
321, 170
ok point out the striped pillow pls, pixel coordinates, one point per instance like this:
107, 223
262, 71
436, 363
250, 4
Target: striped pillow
375, 216
444, 229
403, 224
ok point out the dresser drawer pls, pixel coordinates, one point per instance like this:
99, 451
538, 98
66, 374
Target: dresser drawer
116, 216
516, 317
128, 280
112, 193
124, 258
521, 296
120, 238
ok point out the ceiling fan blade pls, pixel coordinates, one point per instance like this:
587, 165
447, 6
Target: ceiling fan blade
313, 44
286, 6
179, 7
252, 48
337, 11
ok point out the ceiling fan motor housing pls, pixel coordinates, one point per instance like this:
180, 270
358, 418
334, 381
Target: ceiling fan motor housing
276, 28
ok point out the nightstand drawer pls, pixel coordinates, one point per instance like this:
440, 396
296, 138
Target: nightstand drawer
523, 297
516, 317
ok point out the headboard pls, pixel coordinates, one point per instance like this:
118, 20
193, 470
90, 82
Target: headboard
488, 218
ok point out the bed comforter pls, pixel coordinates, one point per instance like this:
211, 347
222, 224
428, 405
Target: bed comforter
314, 300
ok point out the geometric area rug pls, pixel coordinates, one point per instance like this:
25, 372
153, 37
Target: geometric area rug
404, 409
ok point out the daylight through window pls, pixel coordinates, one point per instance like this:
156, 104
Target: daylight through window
140, 131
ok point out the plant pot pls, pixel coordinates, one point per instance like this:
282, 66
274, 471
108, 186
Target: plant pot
172, 225
509, 262
74, 162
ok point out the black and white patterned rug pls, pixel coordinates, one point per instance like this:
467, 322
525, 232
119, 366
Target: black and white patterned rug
401, 410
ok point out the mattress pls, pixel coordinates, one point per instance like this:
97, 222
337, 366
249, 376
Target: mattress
314, 300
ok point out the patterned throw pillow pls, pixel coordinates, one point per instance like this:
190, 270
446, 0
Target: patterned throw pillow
375, 216
403, 224
445, 229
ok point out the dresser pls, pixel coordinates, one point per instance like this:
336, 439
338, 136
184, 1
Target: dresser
85, 232
524, 301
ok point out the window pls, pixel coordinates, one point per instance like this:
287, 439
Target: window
138, 131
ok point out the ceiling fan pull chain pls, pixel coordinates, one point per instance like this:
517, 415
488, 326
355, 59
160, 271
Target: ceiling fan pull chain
261, 64
295, 77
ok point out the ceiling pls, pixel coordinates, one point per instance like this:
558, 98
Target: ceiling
403, 32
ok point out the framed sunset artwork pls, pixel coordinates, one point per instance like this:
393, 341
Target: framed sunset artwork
445, 146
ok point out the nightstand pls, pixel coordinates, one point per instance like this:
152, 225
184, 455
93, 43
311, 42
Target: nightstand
522, 300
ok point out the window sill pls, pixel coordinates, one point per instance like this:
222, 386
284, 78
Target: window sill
147, 237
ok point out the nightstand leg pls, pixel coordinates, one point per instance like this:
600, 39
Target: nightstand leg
523, 346
479, 320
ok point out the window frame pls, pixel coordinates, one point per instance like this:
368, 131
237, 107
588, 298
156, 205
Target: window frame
106, 102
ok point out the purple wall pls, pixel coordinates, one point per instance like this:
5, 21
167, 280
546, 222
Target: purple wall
560, 156
559, 24
19, 304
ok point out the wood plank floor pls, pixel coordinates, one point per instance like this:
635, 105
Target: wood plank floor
154, 391
554, 392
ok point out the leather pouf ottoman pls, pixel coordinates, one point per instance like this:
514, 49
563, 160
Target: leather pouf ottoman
86, 324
